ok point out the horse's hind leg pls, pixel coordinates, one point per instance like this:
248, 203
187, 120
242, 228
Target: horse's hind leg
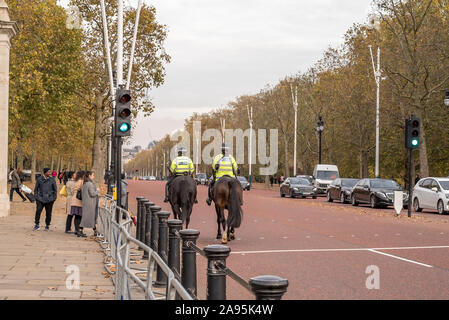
217, 210
232, 234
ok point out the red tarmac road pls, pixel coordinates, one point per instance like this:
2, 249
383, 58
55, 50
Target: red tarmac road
324, 249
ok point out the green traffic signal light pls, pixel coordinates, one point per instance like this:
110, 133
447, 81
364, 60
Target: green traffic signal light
415, 142
125, 127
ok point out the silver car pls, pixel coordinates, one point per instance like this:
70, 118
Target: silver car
433, 194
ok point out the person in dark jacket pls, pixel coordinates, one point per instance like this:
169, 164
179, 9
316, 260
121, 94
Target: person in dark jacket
45, 192
16, 181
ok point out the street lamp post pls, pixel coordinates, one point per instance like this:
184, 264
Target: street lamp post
378, 78
295, 107
319, 129
250, 117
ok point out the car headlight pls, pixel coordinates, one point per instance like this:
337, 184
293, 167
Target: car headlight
296, 189
314, 189
381, 195
447, 195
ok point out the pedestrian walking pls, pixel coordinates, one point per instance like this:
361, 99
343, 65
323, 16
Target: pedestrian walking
16, 181
271, 181
90, 202
61, 175
76, 208
45, 192
70, 187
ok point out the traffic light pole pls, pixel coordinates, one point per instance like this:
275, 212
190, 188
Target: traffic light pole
410, 177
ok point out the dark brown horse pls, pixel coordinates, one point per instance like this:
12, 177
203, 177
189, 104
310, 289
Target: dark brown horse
228, 194
182, 197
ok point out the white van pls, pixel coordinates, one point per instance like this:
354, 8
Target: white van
323, 175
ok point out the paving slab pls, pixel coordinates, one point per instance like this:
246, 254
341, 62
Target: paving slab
33, 264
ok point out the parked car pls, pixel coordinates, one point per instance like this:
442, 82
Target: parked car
323, 175
433, 194
297, 187
340, 189
201, 178
310, 178
244, 183
377, 192
152, 178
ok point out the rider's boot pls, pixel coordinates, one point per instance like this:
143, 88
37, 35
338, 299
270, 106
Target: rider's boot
209, 200
166, 194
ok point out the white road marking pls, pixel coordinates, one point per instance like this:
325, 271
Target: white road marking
374, 250
399, 258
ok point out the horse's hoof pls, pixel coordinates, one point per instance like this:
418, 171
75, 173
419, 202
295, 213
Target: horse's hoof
224, 240
232, 236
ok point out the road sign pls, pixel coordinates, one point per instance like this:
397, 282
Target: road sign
398, 201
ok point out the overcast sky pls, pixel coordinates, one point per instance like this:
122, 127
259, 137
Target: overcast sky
222, 49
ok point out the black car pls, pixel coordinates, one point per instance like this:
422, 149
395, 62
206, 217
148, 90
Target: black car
340, 189
310, 178
376, 192
297, 187
245, 184
201, 178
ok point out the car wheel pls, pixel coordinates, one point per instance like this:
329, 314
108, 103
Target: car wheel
282, 195
373, 202
354, 201
291, 195
329, 198
440, 207
416, 205
342, 198
313, 197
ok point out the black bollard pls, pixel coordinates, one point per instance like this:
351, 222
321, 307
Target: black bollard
140, 226
145, 203
154, 227
139, 209
216, 277
268, 287
162, 248
174, 226
147, 228
188, 273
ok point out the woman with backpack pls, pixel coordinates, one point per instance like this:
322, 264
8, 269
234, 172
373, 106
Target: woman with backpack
16, 181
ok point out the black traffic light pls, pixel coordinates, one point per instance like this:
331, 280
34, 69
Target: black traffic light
412, 133
123, 113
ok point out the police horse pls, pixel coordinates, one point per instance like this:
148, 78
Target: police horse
227, 193
182, 197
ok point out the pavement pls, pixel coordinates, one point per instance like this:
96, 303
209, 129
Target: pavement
325, 250
36, 265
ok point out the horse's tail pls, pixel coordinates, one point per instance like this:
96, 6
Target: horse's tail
186, 196
235, 215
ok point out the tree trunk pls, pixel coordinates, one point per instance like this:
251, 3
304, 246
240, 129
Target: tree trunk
59, 163
98, 150
33, 164
423, 160
52, 161
267, 182
19, 156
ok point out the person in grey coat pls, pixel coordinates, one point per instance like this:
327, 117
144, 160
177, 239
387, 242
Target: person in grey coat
15, 185
90, 203
124, 192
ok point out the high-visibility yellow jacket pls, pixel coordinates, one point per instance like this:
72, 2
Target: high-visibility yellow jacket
181, 165
227, 166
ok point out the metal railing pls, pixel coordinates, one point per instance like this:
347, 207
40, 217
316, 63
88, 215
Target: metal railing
117, 243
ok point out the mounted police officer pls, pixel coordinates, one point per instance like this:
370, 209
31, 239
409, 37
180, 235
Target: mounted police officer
223, 165
181, 165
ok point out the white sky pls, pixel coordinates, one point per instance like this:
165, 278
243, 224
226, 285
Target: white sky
222, 49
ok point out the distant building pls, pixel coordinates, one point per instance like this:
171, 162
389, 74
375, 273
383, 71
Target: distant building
129, 154
152, 144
